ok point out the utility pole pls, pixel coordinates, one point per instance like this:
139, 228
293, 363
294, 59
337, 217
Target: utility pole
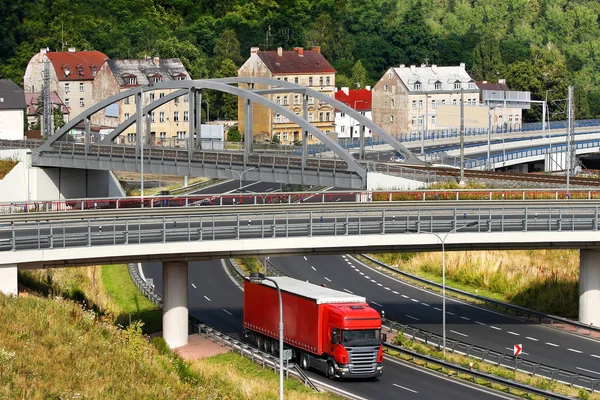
47, 110
462, 136
570, 137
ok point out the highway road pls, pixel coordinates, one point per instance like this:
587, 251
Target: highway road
464, 322
215, 299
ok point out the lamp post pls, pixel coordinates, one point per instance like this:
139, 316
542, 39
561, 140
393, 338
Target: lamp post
257, 277
240, 174
443, 241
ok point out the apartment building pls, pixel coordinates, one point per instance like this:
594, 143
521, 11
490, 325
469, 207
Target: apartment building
301, 66
12, 109
347, 127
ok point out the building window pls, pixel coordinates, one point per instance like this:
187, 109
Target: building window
414, 104
453, 102
278, 101
161, 116
67, 102
285, 79
392, 103
320, 81
417, 86
94, 70
385, 88
327, 115
151, 97
342, 115
163, 135
81, 102
420, 120
296, 99
420, 104
471, 85
126, 116
186, 98
311, 100
310, 117
81, 87
328, 81
438, 86
156, 79
285, 100
296, 80
278, 118
342, 128
443, 101
80, 70
131, 137
186, 115
181, 135
285, 136
176, 116
126, 101
67, 88
320, 117
414, 120
433, 119
161, 95
456, 85
433, 104
152, 115
310, 81
391, 118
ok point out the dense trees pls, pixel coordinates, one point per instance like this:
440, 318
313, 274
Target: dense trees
536, 45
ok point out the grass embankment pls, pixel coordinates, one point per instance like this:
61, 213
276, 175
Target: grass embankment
250, 264
543, 280
6, 165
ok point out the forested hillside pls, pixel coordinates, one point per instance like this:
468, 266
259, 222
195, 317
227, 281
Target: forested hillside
536, 45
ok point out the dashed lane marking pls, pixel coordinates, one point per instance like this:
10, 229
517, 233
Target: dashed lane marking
411, 317
405, 296
415, 300
458, 333
437, 308
194, 286
465, 318
305, 259
405, 388
227, 312
380, 284
552, 344
495, 327
532, 338
450, 313
514, 333
348, 291
393, 291
328, 280
588, 370
575, 351
206, 298
314, 269
479, 323
387, 288
595, 356
374, 302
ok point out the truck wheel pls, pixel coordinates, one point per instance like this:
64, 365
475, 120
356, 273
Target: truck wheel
304, 361
273, 347
330, 371
260, 343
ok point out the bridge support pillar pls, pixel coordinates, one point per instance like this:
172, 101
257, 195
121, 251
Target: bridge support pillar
175, 306
589, 286
8, 279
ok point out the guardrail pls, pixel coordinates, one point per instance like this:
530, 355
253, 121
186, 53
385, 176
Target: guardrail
477, 374
143, 286
517, 310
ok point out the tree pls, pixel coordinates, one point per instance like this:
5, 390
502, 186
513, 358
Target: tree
225, 104
233, 135
359, 77
487, 61
227, 47
58, 118
191, 57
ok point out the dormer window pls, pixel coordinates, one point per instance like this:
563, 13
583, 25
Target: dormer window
472, 85
130, 79
66, 71
94, 70
438, 85
417, 85
80, 70
179, 77
456, 84
155, 78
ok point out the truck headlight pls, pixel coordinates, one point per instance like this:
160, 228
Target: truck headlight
379, 368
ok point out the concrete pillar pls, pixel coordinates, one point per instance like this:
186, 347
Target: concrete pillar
589, 287
175, 308
8, 279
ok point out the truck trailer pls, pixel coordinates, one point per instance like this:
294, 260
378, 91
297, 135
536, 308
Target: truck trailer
334, 332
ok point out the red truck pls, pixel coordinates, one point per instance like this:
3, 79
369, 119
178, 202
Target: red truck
334, 332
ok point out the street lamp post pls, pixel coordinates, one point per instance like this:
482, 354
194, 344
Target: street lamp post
241, 174
443, 241
257, 277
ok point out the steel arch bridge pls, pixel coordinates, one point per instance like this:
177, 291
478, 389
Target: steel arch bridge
195, 161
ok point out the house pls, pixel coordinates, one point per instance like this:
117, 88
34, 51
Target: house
169, 122
506, 106
12, 109
304, 67
359, 100
406, 98
71, 73
32, 100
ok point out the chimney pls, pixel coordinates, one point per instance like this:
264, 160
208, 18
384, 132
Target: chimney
300, 51
156, 61
502, 81
462, 65
434, 67
345, 90
402, 65
43, 51
72, 49
254, 50
317, 49
279, 51
413, 69
368, 87
423, 65
484, 82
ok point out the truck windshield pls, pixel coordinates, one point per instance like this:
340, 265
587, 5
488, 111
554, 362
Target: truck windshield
365, 337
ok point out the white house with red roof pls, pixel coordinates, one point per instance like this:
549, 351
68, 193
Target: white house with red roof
12, 107
72, 73
302, 66
360, 100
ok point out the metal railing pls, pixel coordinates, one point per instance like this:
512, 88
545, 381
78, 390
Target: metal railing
509, 308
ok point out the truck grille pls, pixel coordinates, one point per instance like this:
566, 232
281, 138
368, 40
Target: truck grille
363, 360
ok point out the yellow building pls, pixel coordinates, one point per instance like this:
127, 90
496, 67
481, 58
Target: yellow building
304, 67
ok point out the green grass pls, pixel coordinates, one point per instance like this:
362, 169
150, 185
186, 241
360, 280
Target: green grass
129, 300
6, 165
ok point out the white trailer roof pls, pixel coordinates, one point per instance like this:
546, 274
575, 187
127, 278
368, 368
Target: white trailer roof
320, 294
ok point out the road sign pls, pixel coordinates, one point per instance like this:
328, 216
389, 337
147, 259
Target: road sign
517, 348
287, 354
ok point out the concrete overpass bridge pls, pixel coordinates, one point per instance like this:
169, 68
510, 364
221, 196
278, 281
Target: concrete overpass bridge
344, 171
177, 236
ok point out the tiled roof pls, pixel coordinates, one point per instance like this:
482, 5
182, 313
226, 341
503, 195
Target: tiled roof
428, 76
493, 86
143, 69
291, 62
359, 99
31, 99
76, 65
12, 96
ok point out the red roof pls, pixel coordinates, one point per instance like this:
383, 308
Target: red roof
77, 65
296, 62
359, 99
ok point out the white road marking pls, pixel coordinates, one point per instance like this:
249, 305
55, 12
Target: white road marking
437, 308
387, 288
552, 344
405, 388
328, 280
206, 298
374, 302
411, 317
194, 286
373, 280
575, 351
480, 323
393, 291
588, 370
269, 189
405, 296
227, 312
593, 355
362, 273
380, 284
368, 277
450, 312
465, 318
314, 269
344, 257
348, 291
532, 338
305, 258
495, 327
415, 300
425, 304
338, 199
458, 333
514, 333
